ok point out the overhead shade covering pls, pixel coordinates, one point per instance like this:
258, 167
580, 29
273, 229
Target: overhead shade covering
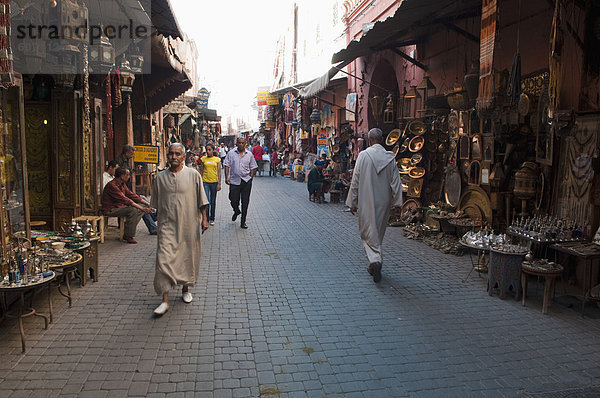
178, 107
169, 78
320, 83
209, 115
412, 20
163, 19
183, 118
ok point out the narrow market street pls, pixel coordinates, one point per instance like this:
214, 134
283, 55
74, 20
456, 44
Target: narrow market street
287, 309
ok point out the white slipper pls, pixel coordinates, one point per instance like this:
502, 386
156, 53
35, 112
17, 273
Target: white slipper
187, 297
161, 309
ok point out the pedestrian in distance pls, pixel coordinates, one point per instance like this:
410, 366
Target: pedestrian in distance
374, 189
210, 169
240, 167
178, 195
274, 162
258, 152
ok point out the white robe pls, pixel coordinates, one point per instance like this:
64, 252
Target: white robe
375, 188
178, 197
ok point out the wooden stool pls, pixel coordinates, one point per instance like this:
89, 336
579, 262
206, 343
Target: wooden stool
120, 224
548, 273
334, 196
97, 223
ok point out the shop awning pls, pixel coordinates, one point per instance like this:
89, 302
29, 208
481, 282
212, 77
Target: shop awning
164, 20
209, 115
413, 20
169, 78
321, 83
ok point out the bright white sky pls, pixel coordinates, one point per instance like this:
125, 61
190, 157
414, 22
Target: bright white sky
236, 41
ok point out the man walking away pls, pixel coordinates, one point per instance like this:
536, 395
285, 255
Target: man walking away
178, 195
240, 168
258, 153
374, 189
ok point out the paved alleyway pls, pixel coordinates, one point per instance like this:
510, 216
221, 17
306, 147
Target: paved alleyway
287, 309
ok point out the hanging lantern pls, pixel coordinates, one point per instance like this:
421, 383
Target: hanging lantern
126, 75
315, 116
377, 103
136, 60
428, 89
388, 113
410, 102
102, 55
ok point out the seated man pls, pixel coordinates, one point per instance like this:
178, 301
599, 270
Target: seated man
119, 201
317, 184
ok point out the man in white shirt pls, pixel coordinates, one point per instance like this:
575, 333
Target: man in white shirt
109, 174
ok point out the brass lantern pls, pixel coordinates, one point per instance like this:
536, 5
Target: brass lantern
102, 55
315, 116
428, 89
136, 60
411, 100
377, 103
127, 77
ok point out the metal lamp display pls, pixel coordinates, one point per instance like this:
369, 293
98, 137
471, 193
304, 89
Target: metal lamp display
410, 102
102, 55
377, 103
127, 77
315, 116
136, 60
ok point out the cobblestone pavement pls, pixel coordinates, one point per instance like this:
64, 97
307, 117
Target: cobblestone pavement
287, 309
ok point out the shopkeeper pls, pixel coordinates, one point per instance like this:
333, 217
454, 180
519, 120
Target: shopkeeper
317, 183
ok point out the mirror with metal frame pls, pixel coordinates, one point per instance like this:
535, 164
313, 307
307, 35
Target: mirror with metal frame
476, 147
475, 173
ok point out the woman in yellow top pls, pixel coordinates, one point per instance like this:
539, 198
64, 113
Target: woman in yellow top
210, 169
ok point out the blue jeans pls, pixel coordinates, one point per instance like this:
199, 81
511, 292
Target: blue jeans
210, 188
150, 221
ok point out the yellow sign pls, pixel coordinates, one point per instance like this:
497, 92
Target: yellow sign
261, 98
273, 99
146, 154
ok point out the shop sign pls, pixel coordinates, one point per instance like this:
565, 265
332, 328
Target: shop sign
146, 154
273, 99
322, 138
261, 98
202, 98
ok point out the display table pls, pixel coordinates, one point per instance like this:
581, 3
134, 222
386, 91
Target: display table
480, 263
588, 252
504, 270
97, 223
22, 311
65, 265
548, 271
89, 251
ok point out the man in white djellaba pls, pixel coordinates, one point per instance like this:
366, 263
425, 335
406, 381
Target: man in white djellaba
178, 195
374, 190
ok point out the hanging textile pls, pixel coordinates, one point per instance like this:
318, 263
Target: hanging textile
554, 62
7, 78
351, 107
489, 18
116, 83
108, 114
86, 91
289, 103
